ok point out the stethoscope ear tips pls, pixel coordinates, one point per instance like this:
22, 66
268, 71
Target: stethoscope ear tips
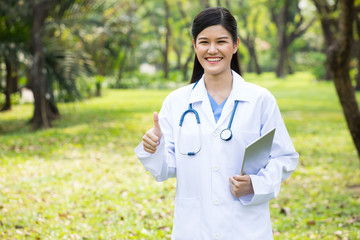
226, 134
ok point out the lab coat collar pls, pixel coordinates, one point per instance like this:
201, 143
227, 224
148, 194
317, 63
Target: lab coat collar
238, 92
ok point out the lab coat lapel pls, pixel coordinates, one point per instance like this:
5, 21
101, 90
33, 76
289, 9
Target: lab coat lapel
227, 110
200, 99
237, 94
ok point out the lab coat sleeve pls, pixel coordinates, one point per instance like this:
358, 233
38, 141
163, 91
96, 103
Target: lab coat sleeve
161, 164
283, 157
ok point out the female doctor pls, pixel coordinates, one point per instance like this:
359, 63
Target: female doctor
213, 201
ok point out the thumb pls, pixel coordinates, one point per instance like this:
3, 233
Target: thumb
238, 178
157, 128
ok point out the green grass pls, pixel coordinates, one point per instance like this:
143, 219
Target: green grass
81, 180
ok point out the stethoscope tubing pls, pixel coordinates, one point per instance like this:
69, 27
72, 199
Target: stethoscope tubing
226, 134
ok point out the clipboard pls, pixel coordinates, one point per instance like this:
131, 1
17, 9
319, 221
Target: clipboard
257, 153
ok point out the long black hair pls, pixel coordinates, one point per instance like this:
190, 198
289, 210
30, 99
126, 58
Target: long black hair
209, 17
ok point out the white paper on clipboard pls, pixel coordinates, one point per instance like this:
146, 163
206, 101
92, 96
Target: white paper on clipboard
257, 154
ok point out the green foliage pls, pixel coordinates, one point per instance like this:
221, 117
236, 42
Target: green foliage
87, 85
81, 180
312, 60
143, 80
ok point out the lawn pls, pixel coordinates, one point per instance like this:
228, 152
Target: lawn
81, 180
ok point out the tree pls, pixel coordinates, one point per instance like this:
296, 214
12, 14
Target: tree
14, 35
249, 33
357, 47
284, 14
181, 37
339, 58
329, 23
165, 51
11, 64
46, 66
44, 110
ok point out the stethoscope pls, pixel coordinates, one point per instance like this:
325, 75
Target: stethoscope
226, 134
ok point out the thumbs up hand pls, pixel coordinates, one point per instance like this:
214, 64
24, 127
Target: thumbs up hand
151, 139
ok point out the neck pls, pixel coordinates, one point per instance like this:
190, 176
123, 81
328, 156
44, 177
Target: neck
219, 86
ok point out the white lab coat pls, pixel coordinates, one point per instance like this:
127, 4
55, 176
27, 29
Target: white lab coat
204, 206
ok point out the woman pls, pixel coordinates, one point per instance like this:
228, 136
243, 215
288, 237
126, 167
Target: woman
213, 200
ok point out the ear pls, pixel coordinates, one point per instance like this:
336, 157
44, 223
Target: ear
236, 46
194, 44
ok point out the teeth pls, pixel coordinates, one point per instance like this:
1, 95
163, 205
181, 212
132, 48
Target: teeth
213, 59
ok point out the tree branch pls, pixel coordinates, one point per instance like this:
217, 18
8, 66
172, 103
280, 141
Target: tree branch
297, 33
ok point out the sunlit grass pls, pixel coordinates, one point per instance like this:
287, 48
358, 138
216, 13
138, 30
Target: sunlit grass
81, 180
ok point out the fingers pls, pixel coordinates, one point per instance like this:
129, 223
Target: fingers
234, 183
150, 141
151, 138
156, 120
233, 192
240, 185
156, 128
234, 187
149, 148
241, 177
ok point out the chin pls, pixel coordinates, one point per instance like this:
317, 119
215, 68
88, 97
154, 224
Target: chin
215, 72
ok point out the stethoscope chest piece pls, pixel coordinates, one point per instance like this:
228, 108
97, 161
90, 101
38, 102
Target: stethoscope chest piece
226, 134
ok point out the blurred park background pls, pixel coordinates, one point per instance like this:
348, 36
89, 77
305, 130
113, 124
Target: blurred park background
79, 80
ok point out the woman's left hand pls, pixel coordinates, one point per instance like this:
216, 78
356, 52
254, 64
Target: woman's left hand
241, 185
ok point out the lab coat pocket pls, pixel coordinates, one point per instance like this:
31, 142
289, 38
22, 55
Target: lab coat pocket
186, 219
252, 221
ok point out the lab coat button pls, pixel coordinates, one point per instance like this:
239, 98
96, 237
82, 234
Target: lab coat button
216, 168
215, 133
216, 236
216, 202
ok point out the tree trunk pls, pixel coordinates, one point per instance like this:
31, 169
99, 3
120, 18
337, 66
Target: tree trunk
253, 64
121, 67
205, 3
329, 28
281, 20
340, 55
7, 105
128, 45
167, 36
249, 41
357, 18
44, 110
282, 61
11, 87
329, 39
186, 66
285, 38
227, 4
254, 57
357, 78
178, 52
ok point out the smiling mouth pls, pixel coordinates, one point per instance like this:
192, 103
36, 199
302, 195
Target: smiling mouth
217, 59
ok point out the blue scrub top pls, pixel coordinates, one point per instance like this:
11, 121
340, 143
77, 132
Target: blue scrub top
217, 109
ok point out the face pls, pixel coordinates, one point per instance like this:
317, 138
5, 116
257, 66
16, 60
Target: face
214, 48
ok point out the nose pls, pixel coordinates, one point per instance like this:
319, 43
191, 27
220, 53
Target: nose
212, 48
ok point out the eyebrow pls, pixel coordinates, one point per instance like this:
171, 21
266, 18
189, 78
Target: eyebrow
205, 38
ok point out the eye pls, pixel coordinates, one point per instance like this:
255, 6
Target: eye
203, 42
